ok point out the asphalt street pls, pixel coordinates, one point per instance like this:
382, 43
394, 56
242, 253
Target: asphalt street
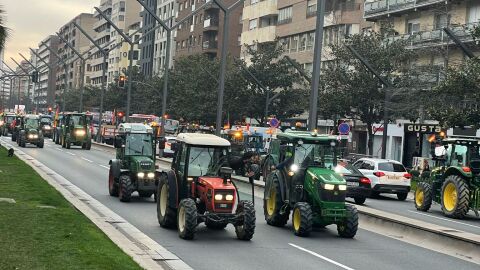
271, 247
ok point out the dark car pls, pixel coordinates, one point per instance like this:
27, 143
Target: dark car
358, 186
46, 125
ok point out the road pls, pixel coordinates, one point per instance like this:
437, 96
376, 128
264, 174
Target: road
271, 247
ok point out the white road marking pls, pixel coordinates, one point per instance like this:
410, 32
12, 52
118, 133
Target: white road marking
59, 149
72, 154
106, 167
87, 160
321, 257
446, 219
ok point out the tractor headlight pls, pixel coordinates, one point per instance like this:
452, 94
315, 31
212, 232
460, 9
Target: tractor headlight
151, 175
80, 132
342, 187
328, 186
294, 168
47, 127
229, 197
140, 175
218, 197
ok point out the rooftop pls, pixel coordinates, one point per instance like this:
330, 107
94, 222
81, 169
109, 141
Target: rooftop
202, 139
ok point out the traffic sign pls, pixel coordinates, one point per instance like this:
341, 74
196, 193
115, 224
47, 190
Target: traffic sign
274, 122
344, 129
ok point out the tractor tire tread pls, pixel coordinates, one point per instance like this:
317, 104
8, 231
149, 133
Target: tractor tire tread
170, 219
351, 223
126, 188
246, 231
306, 219
463, 197
277, 219
190, 219
427, 197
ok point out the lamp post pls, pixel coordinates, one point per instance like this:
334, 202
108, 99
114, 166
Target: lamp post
50, 67
34, 83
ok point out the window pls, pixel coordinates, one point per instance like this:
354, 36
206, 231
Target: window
181, 6
122, 6
253, 2
474, 13
311, 8
310, 40
285, 15
413, 26
121, 18
293, 43
391, 167
252, 24
441, 20
303, 42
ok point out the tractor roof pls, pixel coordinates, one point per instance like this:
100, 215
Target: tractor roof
306, 136
465, 141
202, 139
134, 128
32, 116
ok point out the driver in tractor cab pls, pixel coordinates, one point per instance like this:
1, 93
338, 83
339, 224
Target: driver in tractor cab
288, 154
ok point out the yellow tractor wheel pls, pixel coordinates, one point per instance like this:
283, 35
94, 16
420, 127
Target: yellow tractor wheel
455, 197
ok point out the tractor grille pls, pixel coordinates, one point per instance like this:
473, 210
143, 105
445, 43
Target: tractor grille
332, 195
145, 165
220, 207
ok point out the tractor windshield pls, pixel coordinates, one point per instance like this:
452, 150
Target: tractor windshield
462, 155
78, 120
137, 144
9, 119
45, 120
318, 155
31, 123
206, 161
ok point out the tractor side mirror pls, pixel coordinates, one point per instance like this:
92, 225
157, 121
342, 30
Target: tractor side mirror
161, 143
174, 146
226, 173
118, 142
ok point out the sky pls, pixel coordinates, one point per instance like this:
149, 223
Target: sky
31, 21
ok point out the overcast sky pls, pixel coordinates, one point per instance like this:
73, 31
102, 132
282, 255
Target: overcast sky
30, 21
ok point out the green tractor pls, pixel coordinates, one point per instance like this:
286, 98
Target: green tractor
303, 180
76, 130
15, 127
30, 131
134, 168
454, 183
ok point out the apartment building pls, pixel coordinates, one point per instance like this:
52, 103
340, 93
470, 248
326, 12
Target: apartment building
146, 46
421, 22
81, 43
259, 23
126, 16
203, 32
21, 85
296, 23
101, 36
166, 10
45, 89
4, 84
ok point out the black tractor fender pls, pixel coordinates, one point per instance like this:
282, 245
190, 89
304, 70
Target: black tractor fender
173, 189
116, 167
277, 175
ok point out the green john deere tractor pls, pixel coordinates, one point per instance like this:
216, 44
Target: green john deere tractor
76, 130
133, 169
30, 131
454, 183
303, 180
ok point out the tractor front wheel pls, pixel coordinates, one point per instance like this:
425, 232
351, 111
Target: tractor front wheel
360, 200
40, 143
246, 230
302, 219
423, 197
165, 214
348, 228
112, 185
455, 197
67, 142
126, 188
187, 219
88, 145
272, 204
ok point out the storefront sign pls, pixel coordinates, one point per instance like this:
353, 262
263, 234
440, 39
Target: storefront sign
423, 128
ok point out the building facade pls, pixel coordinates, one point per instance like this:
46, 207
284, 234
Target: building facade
203, 33
166, 10
101, 36
80, 43
44, 94
148, 42
5, 84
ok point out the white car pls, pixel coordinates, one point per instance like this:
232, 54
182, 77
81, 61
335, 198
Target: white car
386, 176
168, 152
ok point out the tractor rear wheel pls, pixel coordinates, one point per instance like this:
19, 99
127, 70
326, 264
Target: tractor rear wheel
423, 197
14, 136
21, 141
349, 227
112, 185
215, 225
187, 219
246, 230
88, 145
455, 197
126, 188
166, 215
302, 219
402, 196
57, 139
272, 204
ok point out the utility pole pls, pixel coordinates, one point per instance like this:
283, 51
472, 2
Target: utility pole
65, 65
317, 61
388, 88
10, 99
34, 83
82, 68
49, 67
104, 74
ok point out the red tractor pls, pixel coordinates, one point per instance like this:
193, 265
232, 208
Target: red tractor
198, 188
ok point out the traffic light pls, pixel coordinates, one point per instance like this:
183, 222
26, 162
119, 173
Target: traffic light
49, 110
120, 114
34, 77
121, 81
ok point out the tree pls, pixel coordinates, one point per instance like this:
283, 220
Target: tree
3, 30
350, 90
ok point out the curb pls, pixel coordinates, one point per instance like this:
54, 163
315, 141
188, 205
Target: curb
147, 253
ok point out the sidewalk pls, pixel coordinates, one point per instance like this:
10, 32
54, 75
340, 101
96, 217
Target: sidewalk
40, 230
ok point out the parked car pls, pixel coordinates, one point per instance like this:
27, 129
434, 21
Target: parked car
386, 176
168, 152
358, 186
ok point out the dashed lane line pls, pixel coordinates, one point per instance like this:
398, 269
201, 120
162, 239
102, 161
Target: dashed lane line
71, 154
446, 219
106, 167
321, 257
86, 159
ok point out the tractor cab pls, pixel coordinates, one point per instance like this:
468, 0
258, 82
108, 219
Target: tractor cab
76, 130
133, 168
6, 122
302, 177
455, 181
30, 131
199, 188
46, 125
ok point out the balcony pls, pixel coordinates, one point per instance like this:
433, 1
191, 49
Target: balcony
380, 8
211, 5
210, 45
210, 24
436, 37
